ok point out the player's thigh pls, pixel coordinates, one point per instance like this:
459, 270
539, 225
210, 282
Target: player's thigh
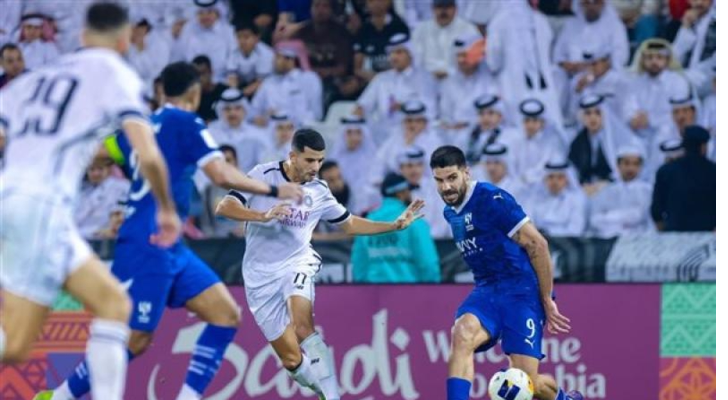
22, 321
93, 285
522, 332
215, 305
300, 293
477, 322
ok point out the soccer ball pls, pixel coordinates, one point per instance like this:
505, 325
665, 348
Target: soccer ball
511, 384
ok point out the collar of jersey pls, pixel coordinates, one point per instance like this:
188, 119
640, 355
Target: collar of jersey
468, 195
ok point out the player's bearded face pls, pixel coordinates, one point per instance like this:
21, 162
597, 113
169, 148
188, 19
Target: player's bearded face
307, 164
452, 184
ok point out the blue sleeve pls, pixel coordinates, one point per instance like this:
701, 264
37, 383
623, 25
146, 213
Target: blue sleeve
198, 146
507, 215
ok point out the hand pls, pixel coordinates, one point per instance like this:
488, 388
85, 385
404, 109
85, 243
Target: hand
584, 81
640, 121
410, 215
555, 322
291, 191
279, 211
571, 67
168, 228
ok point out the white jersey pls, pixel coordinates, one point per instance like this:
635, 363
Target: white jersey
275, 247
56, 117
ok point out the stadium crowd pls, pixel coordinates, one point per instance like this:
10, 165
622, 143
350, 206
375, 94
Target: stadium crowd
597, 115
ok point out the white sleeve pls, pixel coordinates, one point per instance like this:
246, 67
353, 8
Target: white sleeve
683, 43
332, 211
368, 99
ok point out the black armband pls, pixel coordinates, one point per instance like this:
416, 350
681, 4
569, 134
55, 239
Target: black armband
273, 191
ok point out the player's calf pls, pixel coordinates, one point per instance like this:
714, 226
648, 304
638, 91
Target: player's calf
139, 342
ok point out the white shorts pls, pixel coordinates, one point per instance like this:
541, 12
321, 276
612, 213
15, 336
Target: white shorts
268, 302
39, 245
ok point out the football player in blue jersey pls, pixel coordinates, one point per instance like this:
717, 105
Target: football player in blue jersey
513, 295
157, 278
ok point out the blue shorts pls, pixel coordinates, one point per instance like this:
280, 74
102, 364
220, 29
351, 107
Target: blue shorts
156, 279
516, 320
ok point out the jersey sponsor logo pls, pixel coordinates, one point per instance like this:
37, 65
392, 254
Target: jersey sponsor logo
144, 308
297, 219
308, 200
466, 245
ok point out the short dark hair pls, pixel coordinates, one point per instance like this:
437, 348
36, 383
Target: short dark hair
178, 77
308, 138
226, 147
327, 165
247, 26
447, 156
202, 60
8, 46
106, 17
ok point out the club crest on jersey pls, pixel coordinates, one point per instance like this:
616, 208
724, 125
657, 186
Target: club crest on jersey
469, 222
308, 201
144, 308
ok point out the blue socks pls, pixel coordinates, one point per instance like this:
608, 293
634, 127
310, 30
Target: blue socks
561, 395
208, 355
79, 383
458, 389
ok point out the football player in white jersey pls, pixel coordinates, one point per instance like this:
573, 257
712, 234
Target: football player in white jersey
54, 119
280, 264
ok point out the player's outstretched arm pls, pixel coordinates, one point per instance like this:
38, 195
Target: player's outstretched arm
537, 248
154, 169
227, 176
361, 226
232, 208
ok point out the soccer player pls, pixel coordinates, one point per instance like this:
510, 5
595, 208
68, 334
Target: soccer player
55, 118
279, 266
510, 260
173, 278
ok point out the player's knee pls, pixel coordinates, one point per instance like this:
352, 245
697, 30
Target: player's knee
15, 351
291, 360
231, 316
139, 342
542, 384
465, 334
114, 304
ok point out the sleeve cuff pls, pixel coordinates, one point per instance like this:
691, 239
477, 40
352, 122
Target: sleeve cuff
340, 219
4, 124
209, 157
131, 114
518, 226
238, 196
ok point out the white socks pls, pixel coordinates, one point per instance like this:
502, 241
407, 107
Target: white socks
187, 393
316, 349
305, 375
107, 359
63, 392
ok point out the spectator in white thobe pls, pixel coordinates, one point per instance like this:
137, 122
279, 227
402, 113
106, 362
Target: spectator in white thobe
695, 43
490, 128
353, 149
9, 19
36, 51
494, 167
559, 207
250, 62
149, 52
100, 201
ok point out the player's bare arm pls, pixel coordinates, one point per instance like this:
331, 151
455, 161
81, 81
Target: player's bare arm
227, 176
362, 226
231, 208
154, 169
537, 248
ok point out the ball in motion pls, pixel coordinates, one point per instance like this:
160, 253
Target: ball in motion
511, 384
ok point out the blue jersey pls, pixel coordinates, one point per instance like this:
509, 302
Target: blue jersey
185, 144
482, 228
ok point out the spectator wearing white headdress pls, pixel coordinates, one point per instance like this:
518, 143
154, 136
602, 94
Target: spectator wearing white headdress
281, 130
695, 43
382, 100
459, 91
289, 90
655, 78
150, 49
354, 148
233, 128
594, 150
558, 207
534, 145
495, 167
432, 39
623, 206
490, 127
599, 77
9, 19
210, 35
596, 21
413, 167
414, 130
67, 19
37, 52
518, 53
